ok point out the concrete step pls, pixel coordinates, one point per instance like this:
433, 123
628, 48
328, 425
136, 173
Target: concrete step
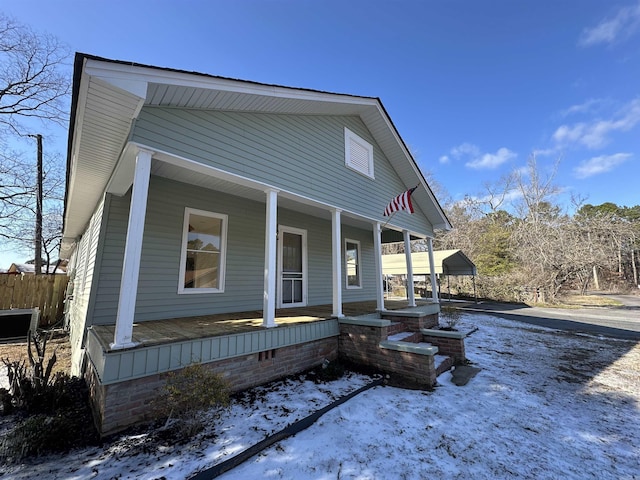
410, 347
404, 336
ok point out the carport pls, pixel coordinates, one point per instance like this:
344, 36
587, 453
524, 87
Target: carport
447, 262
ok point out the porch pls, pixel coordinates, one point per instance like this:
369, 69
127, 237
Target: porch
158, 332
240, 348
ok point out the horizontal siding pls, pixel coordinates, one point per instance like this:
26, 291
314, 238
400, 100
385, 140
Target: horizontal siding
158, 296
300, 154
83, 270
121, 365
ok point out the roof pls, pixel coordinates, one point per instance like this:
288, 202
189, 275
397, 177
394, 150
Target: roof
31, 268
447, 262
109, 94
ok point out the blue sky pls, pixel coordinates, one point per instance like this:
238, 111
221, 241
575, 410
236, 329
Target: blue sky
474, 87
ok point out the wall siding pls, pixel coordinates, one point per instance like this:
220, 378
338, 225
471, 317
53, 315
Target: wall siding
158, 296
84, 266
300, 154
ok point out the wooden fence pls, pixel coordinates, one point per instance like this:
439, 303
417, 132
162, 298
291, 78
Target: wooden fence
28, 291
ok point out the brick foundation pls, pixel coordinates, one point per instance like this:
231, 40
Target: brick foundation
123, 404
360, 344
453, 347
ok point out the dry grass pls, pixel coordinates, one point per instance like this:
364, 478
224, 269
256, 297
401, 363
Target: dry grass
58, 344
590, 301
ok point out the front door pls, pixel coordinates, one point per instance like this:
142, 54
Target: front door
292, 267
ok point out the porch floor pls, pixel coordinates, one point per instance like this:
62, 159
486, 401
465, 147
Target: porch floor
156, 332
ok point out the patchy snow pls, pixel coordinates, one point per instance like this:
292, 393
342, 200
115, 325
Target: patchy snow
546, 405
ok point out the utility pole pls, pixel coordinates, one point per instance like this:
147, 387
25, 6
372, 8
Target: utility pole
38, 234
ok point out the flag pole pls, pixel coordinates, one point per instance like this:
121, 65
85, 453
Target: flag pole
387, 222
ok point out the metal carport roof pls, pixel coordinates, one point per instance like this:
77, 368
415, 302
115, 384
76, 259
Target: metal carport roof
447, 262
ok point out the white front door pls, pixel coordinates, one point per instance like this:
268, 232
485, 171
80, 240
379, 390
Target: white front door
292, 267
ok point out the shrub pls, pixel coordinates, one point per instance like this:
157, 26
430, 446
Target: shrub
450, 317
185, 394
57, 407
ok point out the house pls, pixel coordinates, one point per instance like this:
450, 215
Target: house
30, 269
209, 219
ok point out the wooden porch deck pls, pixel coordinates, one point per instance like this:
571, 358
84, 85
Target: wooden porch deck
157, 332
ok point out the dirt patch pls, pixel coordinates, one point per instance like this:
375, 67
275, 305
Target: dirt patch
59, 344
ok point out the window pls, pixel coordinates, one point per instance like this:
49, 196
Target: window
358, 153
352, 263
204, 245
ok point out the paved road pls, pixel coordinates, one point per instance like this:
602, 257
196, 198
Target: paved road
619, 322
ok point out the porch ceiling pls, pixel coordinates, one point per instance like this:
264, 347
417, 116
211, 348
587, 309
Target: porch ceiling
108, 95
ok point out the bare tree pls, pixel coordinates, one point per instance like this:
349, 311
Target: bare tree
33, 78
34, 92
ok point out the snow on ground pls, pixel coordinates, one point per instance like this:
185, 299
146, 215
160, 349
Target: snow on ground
546, 405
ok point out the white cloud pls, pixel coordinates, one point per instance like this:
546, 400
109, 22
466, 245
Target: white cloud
474, 158
602, 164
586, 107
466, 149
625, 23
492, 160
596, 133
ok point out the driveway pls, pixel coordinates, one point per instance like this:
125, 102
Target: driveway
618, 322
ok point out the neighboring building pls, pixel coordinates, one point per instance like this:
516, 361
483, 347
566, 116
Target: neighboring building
191, 195
30, 269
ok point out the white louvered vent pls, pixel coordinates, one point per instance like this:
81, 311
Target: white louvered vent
358, 153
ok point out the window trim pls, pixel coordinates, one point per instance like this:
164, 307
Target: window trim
183, 252
358, 264
350, 136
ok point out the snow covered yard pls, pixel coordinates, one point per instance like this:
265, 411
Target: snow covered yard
546, 405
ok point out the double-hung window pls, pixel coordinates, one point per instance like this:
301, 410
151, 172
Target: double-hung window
352, 263
204, 249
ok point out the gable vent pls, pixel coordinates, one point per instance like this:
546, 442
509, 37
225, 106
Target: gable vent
358, 153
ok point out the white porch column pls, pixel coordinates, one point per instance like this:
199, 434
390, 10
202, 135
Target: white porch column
336, 260
270, 244
377, 254
411, 296
434, 283
132, 252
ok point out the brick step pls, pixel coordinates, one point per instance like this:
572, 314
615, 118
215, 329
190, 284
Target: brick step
443, 364
395, 327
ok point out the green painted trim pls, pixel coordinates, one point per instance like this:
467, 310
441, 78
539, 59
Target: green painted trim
442, 333
411, 312
372, 320
409, 347
122, 365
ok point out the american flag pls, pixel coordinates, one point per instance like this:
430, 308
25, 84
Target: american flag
401, 202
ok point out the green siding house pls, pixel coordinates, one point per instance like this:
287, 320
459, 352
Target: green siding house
193, 197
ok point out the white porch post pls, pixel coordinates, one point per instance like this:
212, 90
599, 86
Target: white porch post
132, 252
270, 244
336, 257
411, 296
434, 283
377, 254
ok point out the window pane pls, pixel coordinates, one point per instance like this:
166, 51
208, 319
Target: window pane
201, 270
353, 271
291, 252
204, 233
